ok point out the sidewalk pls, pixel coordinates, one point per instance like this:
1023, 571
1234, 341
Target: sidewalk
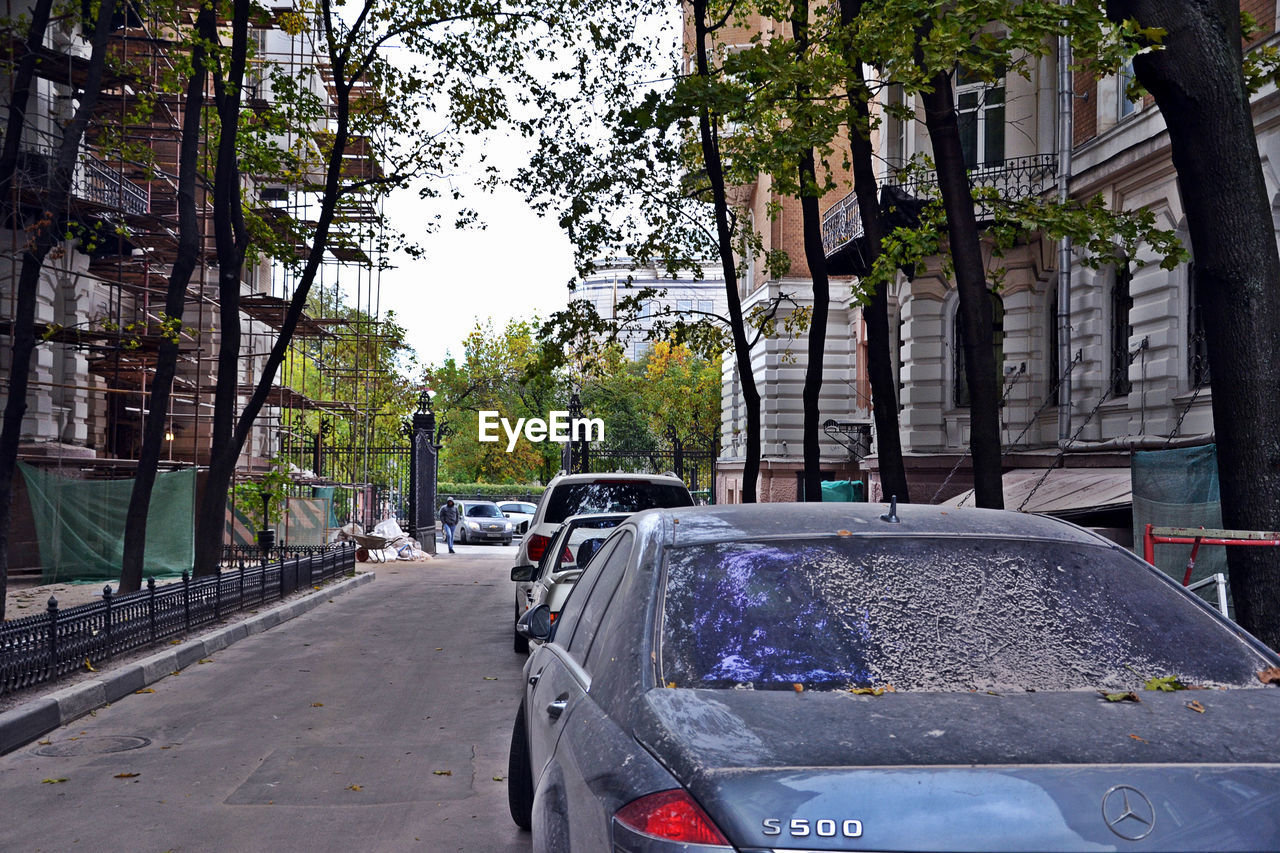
31, 713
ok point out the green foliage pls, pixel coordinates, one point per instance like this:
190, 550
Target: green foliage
489, 490
274, 483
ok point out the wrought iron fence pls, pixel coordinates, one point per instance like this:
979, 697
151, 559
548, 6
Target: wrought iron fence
43, 648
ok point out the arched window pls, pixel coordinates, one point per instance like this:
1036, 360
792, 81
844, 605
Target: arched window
960, 381
1121, 329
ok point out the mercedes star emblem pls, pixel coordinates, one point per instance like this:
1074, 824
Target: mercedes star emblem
1128, 813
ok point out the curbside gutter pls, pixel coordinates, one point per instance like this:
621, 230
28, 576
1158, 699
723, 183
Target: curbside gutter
23, 724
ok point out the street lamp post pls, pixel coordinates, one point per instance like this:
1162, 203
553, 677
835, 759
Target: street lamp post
266, 534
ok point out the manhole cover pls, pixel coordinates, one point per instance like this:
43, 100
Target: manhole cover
96, 745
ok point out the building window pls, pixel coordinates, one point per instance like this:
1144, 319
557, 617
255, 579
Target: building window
1125, 106
960, 380
684, 306
897, 129
1121, 330
706, 306
980, 112
1054, 375
1197, 350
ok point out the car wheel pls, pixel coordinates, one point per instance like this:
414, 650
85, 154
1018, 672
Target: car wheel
521, 644
506, 541
462, 535
520, 775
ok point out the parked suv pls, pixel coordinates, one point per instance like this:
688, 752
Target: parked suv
579, 494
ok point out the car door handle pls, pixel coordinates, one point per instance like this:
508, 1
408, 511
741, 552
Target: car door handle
556, 708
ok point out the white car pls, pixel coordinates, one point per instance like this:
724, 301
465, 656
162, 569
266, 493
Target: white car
571, 548
520, 513
578, 494
482, 521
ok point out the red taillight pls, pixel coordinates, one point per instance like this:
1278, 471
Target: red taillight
538, 546
566, 556
672, 816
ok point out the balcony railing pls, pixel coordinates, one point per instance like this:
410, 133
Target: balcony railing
93, 180
98, 184
1013, 179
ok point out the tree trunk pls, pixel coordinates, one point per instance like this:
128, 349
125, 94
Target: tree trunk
16, 122
231, 242
815, 256
189, 237
46, 234
737, 326
884, 387
971, 284
1197, 83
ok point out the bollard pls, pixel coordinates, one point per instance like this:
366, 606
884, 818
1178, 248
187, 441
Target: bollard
53, 636
106, 644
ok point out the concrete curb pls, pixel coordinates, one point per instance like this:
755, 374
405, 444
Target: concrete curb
28, 721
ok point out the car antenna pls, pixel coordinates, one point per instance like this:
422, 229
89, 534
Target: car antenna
892, 517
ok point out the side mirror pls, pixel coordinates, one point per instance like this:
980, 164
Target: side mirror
522, 573
535, 623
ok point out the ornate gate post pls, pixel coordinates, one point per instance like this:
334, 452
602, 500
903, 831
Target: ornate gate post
422, 475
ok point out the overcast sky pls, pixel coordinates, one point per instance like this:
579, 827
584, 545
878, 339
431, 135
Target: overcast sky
517, 267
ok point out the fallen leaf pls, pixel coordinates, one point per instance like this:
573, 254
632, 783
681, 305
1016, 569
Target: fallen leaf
499, 778
1168, 684
317, 704
843, 533
1120, 697
442, 772
52, 781
89, 666
798, 687
490, 678
1270, 675
355, 787
176, 672
146, 690
671, 685
1135, 737
868, 691
174, 642
1196, 706
127, 775
205, 660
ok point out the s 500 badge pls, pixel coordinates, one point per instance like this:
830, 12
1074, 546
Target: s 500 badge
824, 828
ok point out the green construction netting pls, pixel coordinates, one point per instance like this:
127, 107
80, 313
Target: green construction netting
80, 524
327, 493
842, 490
1179, 488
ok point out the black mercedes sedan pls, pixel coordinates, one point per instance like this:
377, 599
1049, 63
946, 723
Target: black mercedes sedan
853, 677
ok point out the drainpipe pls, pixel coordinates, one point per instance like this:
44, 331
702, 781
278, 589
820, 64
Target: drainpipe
1066, 105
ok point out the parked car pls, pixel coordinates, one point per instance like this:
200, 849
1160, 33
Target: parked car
520, 512
826, 677
482, 521
573, 545
577, 494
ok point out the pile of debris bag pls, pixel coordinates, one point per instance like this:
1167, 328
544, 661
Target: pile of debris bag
386, 543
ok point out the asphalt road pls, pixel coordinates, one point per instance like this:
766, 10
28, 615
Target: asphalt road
377, 722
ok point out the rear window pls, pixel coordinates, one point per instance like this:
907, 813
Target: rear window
957, 614
620, 496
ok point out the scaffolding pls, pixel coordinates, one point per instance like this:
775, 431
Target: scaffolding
100, 305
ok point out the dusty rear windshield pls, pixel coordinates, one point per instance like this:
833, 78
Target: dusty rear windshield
617, 496
934, 614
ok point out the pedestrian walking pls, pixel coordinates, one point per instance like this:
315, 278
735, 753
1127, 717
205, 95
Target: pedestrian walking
449, 518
